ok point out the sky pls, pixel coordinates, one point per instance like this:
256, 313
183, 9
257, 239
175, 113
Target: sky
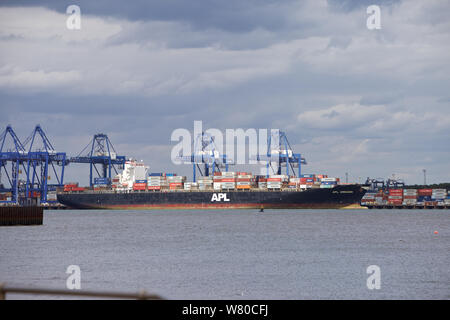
373, 103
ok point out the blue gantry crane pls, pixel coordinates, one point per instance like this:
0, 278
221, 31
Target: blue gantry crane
41, 162
35, 164
280, 154
206, 155
15, 156
29, 166
100, 152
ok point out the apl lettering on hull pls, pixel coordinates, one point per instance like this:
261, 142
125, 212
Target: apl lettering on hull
219, 197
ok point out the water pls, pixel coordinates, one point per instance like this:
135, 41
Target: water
238, 254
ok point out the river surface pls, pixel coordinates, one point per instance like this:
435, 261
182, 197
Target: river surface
235, 254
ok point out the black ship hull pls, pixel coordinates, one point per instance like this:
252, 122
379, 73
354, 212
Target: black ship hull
342, 196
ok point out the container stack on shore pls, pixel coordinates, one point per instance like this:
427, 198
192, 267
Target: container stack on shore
407, 198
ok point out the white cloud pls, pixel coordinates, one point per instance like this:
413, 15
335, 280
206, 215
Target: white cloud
14, 77
373, 118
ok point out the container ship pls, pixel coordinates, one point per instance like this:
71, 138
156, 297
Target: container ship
136, 188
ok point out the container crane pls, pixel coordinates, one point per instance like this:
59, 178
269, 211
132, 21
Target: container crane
40, 160
205, 155
17, 157
100, 152
279, 151
33, 161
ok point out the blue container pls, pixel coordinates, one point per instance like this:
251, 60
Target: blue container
307, 176
155, 174
141, 181
171, 174
99, 181
423, 198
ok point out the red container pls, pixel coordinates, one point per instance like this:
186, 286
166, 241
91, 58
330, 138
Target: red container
154, 188
274, 180
175, 184
71, 185
425, 192
410, 197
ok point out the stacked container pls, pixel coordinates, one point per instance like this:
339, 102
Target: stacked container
276, 182
425, 192
380, 198
115, 183
368, 198
101, 181
175, 182
326, 182
156, 181
439, 195
228, 180
188, 186
244, 181
447, 200
140, 185
262, 183
424, 196
410, 197
395, 197
217, 181
205, 183
69, 186
294, 183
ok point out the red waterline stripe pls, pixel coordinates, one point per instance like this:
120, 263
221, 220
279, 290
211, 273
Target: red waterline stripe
225, 206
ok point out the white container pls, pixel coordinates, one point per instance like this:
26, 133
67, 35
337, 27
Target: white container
328, 179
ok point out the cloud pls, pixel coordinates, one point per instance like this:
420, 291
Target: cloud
16, 78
